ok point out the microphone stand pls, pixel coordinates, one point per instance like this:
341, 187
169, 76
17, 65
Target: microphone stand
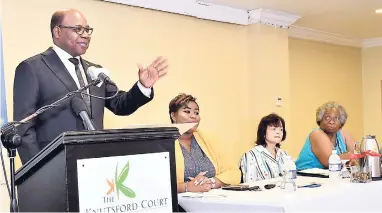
11, 140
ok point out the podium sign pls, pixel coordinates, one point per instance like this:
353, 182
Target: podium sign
131, 183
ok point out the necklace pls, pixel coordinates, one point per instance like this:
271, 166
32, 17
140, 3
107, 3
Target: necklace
337, 144
273, 153
268, 168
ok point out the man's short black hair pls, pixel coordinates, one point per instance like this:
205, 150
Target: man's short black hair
56, 20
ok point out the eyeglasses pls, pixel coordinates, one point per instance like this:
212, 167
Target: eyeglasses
79, 29
334, 119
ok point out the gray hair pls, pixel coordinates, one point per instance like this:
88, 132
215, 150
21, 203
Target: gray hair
329, 105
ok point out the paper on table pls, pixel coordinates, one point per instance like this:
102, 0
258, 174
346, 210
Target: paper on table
201, 195
181, 127
262, 183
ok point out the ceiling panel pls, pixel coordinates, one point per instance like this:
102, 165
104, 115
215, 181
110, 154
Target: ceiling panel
352, 18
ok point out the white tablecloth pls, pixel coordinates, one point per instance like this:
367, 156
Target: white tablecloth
340, 197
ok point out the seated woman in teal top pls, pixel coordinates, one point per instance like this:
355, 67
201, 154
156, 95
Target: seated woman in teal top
330, 118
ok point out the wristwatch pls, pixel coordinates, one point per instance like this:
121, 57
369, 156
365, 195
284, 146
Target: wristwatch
213, 182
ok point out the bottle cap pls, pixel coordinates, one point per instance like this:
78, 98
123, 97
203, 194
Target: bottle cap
334, 151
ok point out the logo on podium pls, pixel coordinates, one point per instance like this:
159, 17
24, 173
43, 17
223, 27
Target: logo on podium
119, 182
129, 183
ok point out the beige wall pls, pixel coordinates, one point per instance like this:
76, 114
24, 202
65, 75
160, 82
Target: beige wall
268, 59
207, 59
236, 72
372, 87
318, 73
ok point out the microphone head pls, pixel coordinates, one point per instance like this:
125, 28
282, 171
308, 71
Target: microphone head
78, 105
98, 73
94, 72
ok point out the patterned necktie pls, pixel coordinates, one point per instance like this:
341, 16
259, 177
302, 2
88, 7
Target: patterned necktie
81, 80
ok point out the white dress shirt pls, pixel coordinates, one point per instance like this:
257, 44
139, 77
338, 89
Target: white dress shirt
64, 57
259, 164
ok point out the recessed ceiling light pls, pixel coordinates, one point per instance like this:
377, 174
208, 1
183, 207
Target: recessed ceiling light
378, 11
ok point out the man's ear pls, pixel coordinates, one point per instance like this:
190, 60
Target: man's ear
56, 32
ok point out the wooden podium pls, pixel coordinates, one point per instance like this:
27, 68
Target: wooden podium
121, 170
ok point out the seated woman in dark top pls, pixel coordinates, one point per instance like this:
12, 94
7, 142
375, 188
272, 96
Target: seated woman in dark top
197, 166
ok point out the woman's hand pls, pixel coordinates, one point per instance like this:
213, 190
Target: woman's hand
203, 187
200, 183
199, 178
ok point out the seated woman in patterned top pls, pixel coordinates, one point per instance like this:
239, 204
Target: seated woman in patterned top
197, 166
266, 159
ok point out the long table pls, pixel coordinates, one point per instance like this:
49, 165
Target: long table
341, 196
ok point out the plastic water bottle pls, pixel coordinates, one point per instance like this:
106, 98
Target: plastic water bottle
290, 174
335, 166
291, 167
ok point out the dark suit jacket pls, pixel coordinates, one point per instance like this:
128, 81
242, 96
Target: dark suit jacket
42, 80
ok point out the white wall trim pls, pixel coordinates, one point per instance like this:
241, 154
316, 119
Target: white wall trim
219, 13
194, 8
272, 17
214, 12
372, 42
320, 36
179, 7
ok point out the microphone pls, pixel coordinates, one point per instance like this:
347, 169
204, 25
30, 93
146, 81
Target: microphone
99, 73
79, 108
11, 140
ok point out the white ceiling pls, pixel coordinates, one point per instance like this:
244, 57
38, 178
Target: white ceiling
351, 18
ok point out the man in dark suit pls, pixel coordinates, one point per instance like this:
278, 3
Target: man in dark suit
47, 77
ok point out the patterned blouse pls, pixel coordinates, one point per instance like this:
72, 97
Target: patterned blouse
196, 161
259, 164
